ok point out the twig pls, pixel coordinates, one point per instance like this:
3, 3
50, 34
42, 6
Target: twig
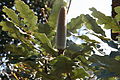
69, 5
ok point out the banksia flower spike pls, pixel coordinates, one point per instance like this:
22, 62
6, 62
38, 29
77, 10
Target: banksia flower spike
61, 30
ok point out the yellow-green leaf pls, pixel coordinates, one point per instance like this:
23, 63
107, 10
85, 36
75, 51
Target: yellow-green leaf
27, 14
75, 23
86, 38
43, 38
8, 26
55, 11
90, 23
11, 14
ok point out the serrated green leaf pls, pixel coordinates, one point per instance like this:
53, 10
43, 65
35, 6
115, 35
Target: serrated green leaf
106, 75
44, 28
117, 10
107, 62
43, 38
102, 18
75, 23
109, 22
63, 65
74, 50
83, 60
55, 11
101, 37
8, 26
49, 50
27, 14
85, 49
117, 58
91, 24
79, 73
86, 38
13, 48
14, 32
11, 14
14, 17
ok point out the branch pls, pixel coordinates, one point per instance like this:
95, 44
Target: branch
69, 5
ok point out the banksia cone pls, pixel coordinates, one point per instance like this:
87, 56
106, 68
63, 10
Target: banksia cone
61, 30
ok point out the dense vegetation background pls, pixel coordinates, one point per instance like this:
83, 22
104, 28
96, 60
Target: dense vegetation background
28, 45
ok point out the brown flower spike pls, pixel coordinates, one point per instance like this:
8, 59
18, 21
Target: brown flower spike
61, 30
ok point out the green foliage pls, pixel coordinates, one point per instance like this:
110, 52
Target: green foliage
11, 14
63, 65
74, 50
75, 23
9, 56
117, 10
15, 49
44, 28
36, 55
55, 11
28, 15
108, 21
79, 73
8, 26
108, 62
87, 39
90, 23
43, 38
